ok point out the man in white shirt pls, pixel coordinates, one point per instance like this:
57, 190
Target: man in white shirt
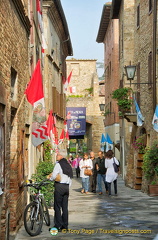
61, 193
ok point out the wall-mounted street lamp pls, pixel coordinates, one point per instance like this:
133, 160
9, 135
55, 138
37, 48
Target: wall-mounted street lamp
102, 107
130, 73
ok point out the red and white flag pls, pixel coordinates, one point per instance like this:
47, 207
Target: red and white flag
52, 130
62, 136
69, 77
50, 126
65, 86
72, 89
44, 45
66, 133
66, 82
35, 96
39, 13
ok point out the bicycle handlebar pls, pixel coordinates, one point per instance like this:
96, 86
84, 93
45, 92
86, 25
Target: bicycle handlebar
38, 185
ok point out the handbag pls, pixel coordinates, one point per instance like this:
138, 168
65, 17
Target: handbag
116, 167
58, 178
88, 172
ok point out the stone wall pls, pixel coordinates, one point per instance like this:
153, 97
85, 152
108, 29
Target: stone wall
84, 77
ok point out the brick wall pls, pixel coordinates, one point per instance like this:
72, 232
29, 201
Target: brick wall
14, 53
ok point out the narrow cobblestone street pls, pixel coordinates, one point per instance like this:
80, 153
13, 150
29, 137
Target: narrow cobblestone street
132, 214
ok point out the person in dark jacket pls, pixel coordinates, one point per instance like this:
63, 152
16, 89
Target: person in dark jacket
93, 178
61, 193
101, 171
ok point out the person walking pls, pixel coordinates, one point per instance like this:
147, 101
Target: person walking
70, 159
76, 165
101, 171
111, 175
93, 178
61, 193
85, 163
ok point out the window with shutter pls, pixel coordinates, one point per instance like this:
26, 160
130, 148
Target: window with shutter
138, 16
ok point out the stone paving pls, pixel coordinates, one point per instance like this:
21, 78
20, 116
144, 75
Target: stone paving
130, 215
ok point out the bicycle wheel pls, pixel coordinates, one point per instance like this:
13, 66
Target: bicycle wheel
33, 218
46, 213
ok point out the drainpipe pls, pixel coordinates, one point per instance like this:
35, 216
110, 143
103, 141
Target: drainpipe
154, 53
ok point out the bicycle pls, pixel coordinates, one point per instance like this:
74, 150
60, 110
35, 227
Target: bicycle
36, 210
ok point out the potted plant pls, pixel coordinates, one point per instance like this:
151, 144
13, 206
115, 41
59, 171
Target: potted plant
124, 100
139, 144
150, 168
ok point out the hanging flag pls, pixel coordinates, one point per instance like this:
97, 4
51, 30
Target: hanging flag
140, 118
52, 130
50, 126
39, 13
155, 119
50, 123
44, 45
109, 142
69, 77
66, 132
62, 136
66, 82
34, 90
65, 87
103, 139
72, 89
35, 96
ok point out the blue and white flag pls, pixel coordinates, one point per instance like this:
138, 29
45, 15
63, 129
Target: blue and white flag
155, 119
140, 118
103, 141
109, 143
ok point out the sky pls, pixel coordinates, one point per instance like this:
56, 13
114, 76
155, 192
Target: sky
83, 19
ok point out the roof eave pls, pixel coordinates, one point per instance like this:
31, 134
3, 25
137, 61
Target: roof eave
104, 22
63, 18
115, 9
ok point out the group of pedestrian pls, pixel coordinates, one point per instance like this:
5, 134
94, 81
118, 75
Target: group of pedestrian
102, 171
100, 168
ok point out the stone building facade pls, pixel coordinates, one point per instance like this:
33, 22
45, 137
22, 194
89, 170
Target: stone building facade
85, 85
137, 46
14, 75
21, 47
108, 34
58, 48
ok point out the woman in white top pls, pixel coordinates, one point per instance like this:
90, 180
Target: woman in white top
83, 164
111, 175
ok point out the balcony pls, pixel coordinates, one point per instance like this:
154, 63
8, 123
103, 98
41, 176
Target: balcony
131, 115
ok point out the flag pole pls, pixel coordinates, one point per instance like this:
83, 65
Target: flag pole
22, 100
